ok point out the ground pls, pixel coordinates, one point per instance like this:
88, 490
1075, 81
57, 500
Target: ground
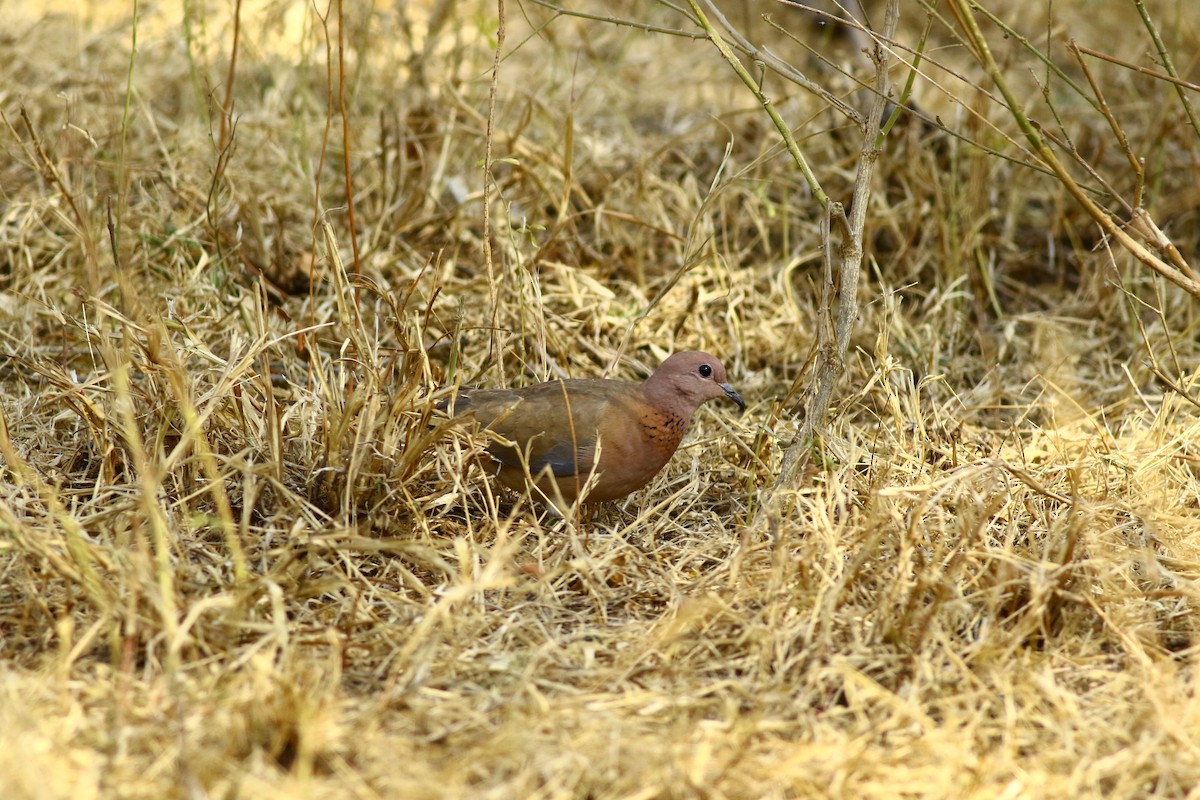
241, 555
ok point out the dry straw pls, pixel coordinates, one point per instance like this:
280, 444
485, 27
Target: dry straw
240, 554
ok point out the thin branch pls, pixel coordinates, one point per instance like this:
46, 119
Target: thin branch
619, 21
489, 135
227, 104
964, 10
831, 359
1168, 64
1153, 73
346, 143
754, 86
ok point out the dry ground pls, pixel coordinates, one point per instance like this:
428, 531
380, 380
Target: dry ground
239, 557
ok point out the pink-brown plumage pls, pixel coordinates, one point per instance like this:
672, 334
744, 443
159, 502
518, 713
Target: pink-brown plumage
554, 427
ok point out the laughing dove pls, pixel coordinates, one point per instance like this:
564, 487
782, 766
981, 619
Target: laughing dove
558, 432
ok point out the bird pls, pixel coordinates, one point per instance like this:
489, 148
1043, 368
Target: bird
600, 438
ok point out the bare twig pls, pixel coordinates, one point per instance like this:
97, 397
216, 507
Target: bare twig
347, 146
1153, 73
832, 355
488, 260
756, 87
964, 10
1168, 64
231, 74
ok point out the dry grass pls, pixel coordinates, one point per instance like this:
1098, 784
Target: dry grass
240, 557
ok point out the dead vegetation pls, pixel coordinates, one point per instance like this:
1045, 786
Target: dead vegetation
240, 556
